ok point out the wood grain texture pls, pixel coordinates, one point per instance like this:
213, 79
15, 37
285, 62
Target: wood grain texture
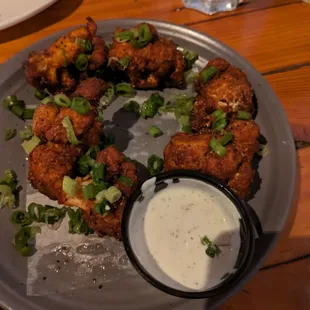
64, 14
274, 36
269, 39
286, 287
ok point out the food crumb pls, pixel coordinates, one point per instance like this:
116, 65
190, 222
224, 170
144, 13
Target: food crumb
44, 278
100, 287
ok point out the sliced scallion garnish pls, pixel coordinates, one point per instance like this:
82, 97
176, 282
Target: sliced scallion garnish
81, 62
70, 131
208, 73
80, 105
155, 164
124, 90
29, 145
62, 100
243, 115
125, 180
69, 186
9, 134
155, 132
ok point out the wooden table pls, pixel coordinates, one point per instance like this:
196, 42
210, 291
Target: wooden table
274, 35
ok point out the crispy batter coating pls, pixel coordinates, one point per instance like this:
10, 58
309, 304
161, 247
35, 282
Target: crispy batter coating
158, 64
47, 124
53, 68
48, 164
228, 90
192, 151
116, 166
91, 89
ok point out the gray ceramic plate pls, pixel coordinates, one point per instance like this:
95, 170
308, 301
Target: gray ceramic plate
271, 202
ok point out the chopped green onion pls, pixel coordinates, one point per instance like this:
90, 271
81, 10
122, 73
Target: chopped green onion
81, 62
102, 207
29, 145
220, 121
124, 62
145, 34
189, 58
47, 100
186, 128
34, 211
76, 224
124, 36
89, 191
86, 45
219, 113
22, 237
244, 115
9, 178
27, 133
52, 215
9, 134
108, 96
212, 249
155, 132
10, 101
150, 107
70, 131
217, 147
226, 138
132, 106
21, 218
124, 89
98, 172
40, 94
18, 110
155, 164
190, 76
125, 180
208, 73
69, 186
80, 105
183, 120
112, 194
62, 100
28, 113
263, 150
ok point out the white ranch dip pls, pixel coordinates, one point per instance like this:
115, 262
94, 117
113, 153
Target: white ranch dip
176, 219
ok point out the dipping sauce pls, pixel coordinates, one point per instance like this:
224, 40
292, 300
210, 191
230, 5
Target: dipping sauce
176, 219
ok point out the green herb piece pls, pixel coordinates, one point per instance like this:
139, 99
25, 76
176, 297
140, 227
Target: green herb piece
70, 131
212, 249
243, 115
98, 172
81, 62
124, 62
112, 194
89, 191
27, 133
108, 97
47, 100
80, 105
77, 224
189, 58
228, 136
126, 181
86, 45
190, 77
29, 145
40, 94
150, 107
9, 134
69, 186
22, 237
155, 164
208, 73
155, 132
62, 100
10, 101
220, 121
132, 106
217, 147
21, 218
28, 113
102, 207
124, 90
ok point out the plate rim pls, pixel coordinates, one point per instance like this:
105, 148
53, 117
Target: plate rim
19, 59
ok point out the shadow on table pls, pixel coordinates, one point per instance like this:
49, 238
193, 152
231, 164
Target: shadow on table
53, 14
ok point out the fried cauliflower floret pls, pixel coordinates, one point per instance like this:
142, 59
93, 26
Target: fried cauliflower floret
47, 124
48, 164
91, 89
157, 64
116, 166
228, 90
192, 151
53, 68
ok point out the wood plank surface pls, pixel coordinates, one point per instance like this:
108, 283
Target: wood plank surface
274, 35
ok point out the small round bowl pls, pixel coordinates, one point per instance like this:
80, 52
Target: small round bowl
137, 246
